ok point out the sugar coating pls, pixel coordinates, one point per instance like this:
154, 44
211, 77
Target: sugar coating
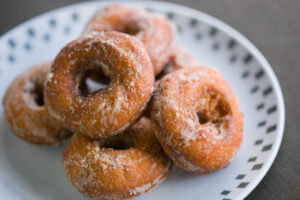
144, 188
105, 173
155, 30
109, 110
28, 120
198, 148
180, 58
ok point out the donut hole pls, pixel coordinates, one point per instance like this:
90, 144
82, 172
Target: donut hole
38, 95
212, 114
202, 117
213, 110
130, 29
92, 80
214, 123
168, 68
118, 142
222, 108
33, 93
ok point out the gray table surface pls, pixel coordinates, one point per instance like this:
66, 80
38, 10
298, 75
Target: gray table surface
274, 27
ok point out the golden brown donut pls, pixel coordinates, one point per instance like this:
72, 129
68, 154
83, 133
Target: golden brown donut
196, 119
180, 58
154, 30
25, 112
110, 110
119, 167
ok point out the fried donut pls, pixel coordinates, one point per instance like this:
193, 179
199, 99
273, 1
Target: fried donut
180, 58
196, 119
25, 112
118, 167
154, 30
107, 111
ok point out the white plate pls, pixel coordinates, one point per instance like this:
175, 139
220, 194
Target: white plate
33, 172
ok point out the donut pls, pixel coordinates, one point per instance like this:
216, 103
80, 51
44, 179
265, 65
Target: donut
196, 119
180, 58
107, 111
117, 167
154, 30
25, 112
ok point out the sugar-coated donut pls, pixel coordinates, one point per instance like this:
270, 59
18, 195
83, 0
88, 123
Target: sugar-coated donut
180, 58
118, 167
110, 110
196, 119
154, 30
25, 112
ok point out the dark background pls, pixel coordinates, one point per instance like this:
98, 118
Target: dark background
274, 27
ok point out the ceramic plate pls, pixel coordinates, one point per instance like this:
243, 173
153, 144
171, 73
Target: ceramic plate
33, 172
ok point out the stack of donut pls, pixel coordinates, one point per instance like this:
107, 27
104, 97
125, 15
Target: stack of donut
153, 105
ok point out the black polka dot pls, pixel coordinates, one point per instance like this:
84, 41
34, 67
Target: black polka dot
272, 109
47, 37
198, 36
240, 176
232, 58
257, 166
31, 32
170, 15
193, 22
213, 31
254, 89
12, 44
52, 23
67, 29
75, 16
149, 9
27, 47
179, 29
262, 123
252, 159
225, 192
259, 74
267, 91
216, 46
11, 58
231, 44
260, 106
248, 58
258, 142
271, 128
243, 185
267, 147
245, 74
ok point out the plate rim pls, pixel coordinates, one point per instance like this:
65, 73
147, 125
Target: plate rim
232, 32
